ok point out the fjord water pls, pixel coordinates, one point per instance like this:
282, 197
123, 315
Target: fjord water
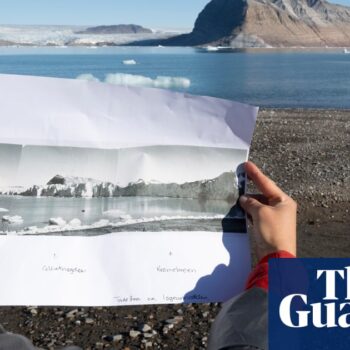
267, 79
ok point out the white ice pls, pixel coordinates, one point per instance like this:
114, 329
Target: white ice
141, 81
212, 48
63, 36
126, 220
57, 222
129, 62
16, 219
87, 76
75, 222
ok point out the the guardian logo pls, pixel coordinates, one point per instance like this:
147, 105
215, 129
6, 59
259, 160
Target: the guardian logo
309, 304
334, 312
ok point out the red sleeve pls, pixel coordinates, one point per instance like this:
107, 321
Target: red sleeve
259, 276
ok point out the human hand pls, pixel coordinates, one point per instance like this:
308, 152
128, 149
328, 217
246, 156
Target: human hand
273, 214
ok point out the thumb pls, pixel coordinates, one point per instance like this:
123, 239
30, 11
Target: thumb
250, 205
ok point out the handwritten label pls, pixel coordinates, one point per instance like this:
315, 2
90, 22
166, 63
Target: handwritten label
70, 270
129, 299
176, 269
187, 298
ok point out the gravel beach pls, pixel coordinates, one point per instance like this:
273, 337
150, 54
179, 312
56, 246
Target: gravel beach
307, 153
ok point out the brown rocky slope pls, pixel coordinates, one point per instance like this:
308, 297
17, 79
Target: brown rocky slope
269, 23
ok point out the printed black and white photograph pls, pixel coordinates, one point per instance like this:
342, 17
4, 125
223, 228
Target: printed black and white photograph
46, 190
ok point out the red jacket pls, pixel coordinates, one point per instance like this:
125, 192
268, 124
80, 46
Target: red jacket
259, 276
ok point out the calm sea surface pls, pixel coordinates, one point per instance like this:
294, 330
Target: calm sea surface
278, 79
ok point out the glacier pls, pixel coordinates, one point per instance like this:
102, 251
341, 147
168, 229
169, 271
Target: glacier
223, 187
62, 36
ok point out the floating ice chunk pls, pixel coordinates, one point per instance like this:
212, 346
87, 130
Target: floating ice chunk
129, 62
117, 214
57, 221
3, 210
16, 219
162, 82
212, 48
88, 77
75, 222
100, 223
31, 229
56, 228
140, 80
114, 213
126, 217
169, 82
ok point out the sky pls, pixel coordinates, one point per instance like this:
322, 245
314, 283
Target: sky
36, 165
158, 14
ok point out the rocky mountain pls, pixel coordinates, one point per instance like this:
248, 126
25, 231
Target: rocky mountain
116, 29
221, 187
269, 23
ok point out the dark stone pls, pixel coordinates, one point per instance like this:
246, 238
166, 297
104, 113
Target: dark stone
57, 180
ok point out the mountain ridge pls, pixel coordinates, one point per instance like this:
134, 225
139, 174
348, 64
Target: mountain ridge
269, 23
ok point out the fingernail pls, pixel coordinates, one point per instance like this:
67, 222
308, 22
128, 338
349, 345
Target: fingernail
243, 199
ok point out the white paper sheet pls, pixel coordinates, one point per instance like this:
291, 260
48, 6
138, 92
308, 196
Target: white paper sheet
112, 195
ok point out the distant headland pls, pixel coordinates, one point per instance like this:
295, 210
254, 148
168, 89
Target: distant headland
267, 23
237, 24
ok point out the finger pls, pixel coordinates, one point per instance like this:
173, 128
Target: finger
262, 182
250, 205
259, 197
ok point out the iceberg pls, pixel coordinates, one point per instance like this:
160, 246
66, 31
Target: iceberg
75, 222
16, 219
140, 80
88, 77
57, 222
129, 62
162, 82
212, 48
